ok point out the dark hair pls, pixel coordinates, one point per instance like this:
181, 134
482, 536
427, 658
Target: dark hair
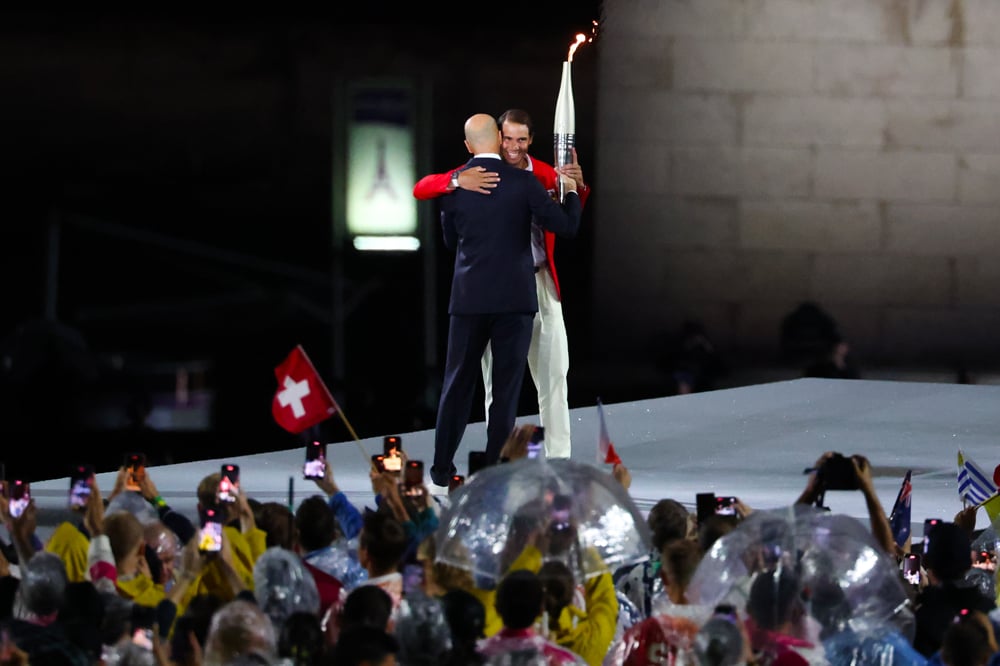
301, 639
712, 529
465, 614
668, 520
774, 598
965, 642
367, 605
315, 523
517, 117
519, 598
360, 643
277, 521
196, 619
679, 559
385, 540
557, 581
949, 552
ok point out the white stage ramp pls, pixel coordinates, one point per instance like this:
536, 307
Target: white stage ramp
752, 442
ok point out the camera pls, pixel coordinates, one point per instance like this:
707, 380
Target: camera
837, 473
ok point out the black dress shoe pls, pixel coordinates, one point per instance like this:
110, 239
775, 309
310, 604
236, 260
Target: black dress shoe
439, 479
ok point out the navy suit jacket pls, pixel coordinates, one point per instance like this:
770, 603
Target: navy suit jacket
491, 236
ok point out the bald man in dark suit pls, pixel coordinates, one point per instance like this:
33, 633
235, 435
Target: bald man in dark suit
493, 296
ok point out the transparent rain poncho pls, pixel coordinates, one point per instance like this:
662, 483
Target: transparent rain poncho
283, 585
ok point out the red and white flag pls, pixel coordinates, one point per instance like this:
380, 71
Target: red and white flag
302, 399
605, 448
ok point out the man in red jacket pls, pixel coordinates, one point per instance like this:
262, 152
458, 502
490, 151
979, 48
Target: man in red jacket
548, 355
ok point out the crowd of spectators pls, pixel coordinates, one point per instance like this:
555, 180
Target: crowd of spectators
129, 580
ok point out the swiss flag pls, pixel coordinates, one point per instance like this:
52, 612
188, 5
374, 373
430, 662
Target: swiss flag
302, 399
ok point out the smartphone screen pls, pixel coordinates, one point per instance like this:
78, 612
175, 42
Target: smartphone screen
477, 461
725, 506
456, 481
210, 534
135, 465
911, 569
143, 637
413, 578
315, 464
379, 461
229, 483
536, 443
79, 485
19, 495
392, 448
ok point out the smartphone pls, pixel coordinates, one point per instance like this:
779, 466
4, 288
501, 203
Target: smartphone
315, 464
706, 505
229, 483
413, 478
456, 481
413, 579
379, 461
477, 461
929, 525
79, 485
536, 442
911, 568
725, 506
143, 637
18, 496
210, 534
135, 466
392, 448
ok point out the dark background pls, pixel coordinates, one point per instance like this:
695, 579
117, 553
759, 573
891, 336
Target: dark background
169, 205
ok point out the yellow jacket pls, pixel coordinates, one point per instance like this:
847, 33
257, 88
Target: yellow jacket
246, 549
589, 632
70, 544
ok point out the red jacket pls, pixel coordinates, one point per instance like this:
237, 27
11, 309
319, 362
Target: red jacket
436, 184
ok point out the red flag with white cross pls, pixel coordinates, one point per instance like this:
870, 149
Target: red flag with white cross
302, 399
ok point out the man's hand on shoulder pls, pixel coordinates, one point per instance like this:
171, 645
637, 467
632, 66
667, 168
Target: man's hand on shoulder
478, 179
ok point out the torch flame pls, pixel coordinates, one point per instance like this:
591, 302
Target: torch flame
580, 39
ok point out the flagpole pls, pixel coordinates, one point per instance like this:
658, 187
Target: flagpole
340, 412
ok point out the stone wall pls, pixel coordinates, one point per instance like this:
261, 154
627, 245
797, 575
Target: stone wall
754, 154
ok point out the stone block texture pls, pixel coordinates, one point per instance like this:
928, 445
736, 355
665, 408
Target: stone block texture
754, 154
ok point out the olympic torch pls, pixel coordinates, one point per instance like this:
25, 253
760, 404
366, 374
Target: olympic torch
564, 137
564, 126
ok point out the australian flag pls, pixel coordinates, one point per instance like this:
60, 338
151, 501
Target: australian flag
899, 519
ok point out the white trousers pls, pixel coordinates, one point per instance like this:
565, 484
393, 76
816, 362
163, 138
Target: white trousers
548, 363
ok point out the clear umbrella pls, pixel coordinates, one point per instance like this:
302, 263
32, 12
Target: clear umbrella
570, 510
845, 581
